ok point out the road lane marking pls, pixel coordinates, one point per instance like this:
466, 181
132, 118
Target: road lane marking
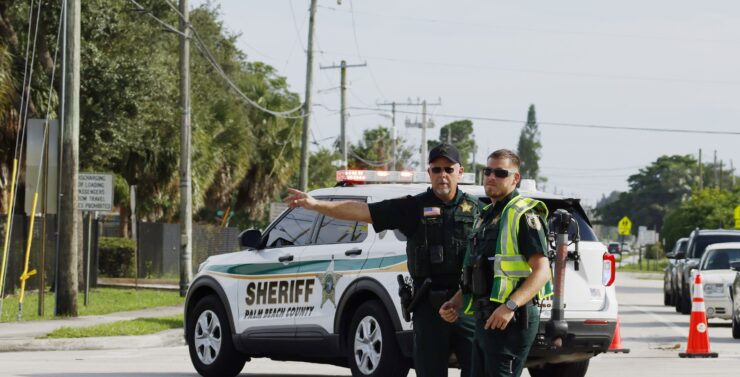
676, 329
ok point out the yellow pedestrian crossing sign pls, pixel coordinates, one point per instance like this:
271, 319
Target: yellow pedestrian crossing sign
625, 225
737, 217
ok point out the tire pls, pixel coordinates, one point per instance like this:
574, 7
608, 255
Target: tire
735, 327
685, 303
372, 347
574, 369
208, 334
666, 298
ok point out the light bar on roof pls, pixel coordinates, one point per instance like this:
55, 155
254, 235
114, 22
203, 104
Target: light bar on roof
387, 176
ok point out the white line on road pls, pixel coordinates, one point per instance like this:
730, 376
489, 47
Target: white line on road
679, 331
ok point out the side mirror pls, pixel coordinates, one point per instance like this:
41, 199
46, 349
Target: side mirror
250, 238
735, 266
679, 255
670, 256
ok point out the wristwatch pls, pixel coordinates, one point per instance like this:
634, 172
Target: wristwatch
511, 305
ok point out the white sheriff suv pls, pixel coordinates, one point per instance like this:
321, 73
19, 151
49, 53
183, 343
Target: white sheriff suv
314, 288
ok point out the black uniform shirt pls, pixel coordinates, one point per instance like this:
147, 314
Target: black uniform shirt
531, 238
404, 213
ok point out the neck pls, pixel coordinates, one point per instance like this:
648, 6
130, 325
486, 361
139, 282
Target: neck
500, 198
449, 197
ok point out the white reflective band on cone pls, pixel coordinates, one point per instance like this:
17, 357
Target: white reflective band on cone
698, 306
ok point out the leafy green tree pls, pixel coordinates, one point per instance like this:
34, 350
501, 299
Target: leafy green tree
709, 208
529, 147
654, 191
323, 171
461, 134
375, 151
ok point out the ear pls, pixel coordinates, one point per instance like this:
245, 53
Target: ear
461, 171
517, 177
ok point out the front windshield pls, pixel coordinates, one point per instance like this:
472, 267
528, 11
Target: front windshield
720, 259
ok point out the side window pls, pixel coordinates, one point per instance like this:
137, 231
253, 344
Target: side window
293, 230
333, 231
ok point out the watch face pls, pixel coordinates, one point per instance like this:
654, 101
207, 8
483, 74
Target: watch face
511, 304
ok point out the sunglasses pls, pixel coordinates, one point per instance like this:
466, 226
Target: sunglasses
438, 169
498, 172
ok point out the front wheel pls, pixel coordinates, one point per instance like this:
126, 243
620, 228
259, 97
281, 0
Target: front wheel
735, 327
574, 369
208, 334
372, 345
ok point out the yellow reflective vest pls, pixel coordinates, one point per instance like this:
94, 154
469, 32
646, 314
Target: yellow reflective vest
509, 265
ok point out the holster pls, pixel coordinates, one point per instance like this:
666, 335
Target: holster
482, 276
467, 280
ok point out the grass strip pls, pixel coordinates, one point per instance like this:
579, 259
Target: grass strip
138, 326
102, 301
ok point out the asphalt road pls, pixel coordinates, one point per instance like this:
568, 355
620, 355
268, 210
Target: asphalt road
655, 334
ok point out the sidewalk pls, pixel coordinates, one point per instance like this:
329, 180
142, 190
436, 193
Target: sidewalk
21, 336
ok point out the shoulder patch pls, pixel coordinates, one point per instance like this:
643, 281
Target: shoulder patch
533, 221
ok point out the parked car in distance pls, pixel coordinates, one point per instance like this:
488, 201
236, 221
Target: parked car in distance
614, 248
698, 242
735, 295
669, 281
717, 278
626, 248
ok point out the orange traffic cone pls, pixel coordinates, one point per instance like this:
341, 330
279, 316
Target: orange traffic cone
698, 344
616, 345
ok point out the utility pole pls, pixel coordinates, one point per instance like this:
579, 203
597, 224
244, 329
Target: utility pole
343, 103
307, 103
423, 125
701, 173
714, 169
69, 215
186, 190
393, 131
732, 175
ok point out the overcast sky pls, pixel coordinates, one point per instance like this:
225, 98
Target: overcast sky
656, 64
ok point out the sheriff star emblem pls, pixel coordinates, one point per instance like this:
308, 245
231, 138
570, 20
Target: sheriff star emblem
466, 207
329, 281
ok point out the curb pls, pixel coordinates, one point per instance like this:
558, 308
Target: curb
167, 338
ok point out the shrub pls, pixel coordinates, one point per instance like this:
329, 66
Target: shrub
116, 257
654, 251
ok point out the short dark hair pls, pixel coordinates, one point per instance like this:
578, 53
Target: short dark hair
506, 153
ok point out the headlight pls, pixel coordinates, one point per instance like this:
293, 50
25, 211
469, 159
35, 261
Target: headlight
200, 267
714, 289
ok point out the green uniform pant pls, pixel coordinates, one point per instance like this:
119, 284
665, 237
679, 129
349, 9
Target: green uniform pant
435, 339
504, 352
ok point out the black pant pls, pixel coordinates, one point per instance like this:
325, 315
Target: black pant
435, 339
503, 353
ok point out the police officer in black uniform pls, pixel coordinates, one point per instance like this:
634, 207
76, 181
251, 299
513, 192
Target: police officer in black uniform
437, 224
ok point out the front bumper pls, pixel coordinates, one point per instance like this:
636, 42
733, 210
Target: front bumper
718, 307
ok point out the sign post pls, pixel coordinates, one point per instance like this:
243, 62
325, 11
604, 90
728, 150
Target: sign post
737, 217
94, 193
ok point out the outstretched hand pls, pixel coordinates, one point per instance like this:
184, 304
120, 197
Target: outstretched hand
297, 198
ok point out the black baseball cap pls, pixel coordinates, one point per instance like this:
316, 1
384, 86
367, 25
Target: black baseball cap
445, 150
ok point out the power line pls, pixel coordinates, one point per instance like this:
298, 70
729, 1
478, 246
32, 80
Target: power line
428, 62
563, 124
201, 46
357, 46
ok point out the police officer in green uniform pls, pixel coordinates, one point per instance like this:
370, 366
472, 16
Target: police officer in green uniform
506, 272
437, 225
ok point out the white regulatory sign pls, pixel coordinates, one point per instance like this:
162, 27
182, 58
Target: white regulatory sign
95, 192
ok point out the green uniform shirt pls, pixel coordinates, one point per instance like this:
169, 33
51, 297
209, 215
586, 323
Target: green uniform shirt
531, 238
